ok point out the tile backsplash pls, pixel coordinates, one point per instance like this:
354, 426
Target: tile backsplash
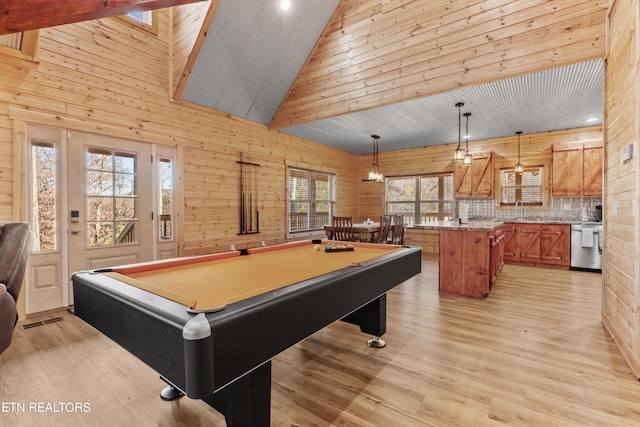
559, 209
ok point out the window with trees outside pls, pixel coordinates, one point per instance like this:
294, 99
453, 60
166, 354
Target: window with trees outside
112, 197
165, 230
526, 186
420, 199
45, 186
311, 199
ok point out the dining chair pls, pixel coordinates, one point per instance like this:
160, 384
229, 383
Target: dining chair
385, 229
397, 230
343, 228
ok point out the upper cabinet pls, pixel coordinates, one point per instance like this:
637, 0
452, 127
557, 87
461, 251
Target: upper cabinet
576, 169
474, 181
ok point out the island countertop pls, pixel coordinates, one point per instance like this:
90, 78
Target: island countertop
453, 225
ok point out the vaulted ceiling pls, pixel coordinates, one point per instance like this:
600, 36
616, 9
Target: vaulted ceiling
337, 71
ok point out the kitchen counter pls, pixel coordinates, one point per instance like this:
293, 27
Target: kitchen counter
453, 225
533, 220
470, 256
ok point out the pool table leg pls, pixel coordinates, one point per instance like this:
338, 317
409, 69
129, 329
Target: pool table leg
246, 401
372, 319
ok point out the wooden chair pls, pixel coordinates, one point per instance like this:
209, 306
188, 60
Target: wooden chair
343, 228
397, 230
385, 229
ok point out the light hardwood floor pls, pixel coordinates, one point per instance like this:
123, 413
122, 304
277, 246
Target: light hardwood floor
533, 353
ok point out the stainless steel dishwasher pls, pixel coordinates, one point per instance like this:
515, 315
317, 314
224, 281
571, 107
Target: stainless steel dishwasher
586, 246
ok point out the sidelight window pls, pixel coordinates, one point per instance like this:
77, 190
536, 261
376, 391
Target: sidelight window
44, 209
166, 198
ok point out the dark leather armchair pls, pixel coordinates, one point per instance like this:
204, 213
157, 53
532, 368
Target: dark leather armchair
15, 245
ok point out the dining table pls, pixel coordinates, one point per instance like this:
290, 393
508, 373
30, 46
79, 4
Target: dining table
366, 230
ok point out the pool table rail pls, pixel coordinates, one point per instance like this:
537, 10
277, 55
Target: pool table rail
247, 334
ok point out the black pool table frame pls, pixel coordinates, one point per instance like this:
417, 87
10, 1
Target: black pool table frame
224, 358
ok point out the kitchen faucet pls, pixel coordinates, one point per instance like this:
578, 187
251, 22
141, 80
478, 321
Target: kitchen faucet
515, 208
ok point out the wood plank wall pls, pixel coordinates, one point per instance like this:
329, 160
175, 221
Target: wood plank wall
106, 76
377, 53
535, 149
622, 181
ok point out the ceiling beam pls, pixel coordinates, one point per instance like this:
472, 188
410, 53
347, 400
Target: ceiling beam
25, 15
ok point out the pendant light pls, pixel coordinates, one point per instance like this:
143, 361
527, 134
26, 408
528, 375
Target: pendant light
519, 167
458, 153
468, 158
375, 174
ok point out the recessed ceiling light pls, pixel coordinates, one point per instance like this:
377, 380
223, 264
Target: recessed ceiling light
592, 119
285, 4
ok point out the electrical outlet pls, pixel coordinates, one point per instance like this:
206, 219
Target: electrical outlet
566, 207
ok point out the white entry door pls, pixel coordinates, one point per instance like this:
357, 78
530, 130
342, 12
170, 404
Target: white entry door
96, 202
110, 204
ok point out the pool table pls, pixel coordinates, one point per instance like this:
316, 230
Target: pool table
210, 325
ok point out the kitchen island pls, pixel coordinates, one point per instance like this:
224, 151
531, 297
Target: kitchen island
470, 255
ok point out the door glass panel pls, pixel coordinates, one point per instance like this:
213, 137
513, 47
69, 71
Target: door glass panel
100, 234
126, 208
112, 197
101, 208
44, 209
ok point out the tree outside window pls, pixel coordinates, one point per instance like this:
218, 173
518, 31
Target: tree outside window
311, 201
420, 199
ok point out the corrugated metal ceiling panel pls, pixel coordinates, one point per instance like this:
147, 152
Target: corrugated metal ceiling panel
560, 98
252, 54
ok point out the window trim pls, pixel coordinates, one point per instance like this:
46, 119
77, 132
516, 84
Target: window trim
150, 28
417, 202
544, 168
28, 49
332, 201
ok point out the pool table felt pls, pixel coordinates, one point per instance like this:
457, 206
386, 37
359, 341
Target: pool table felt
211, 283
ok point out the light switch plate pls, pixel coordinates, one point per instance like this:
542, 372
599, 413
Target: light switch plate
615, 208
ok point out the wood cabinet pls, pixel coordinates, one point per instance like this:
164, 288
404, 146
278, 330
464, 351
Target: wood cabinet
469, 261
543, 245
474, 181
576, 169
510, 246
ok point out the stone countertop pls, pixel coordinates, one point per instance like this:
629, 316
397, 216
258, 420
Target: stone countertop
453, 225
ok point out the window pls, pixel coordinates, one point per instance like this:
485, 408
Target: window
146, 20
142, 16
421, 199
166, 198
44, 209
311, 199
112, 198
23, 44
527, 186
